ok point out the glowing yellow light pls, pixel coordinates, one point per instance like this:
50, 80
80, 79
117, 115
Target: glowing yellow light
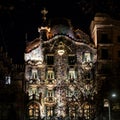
61, 49
61, 52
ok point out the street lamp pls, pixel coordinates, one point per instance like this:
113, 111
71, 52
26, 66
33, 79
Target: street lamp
113, 95
107, 104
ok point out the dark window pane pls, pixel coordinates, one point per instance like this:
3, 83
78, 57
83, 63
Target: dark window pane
119, 39
50, 60
104, 39
71, 60
119, 54
104, 54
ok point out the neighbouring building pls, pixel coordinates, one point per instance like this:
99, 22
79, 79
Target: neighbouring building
105, 33
11, 88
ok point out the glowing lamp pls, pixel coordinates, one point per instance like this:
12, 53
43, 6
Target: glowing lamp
61, 52
61, 49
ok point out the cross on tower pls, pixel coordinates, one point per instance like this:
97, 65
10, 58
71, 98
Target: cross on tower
44, 12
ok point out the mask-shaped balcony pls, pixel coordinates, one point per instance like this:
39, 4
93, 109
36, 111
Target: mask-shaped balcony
34, 83
87, 65
50, 101
50, 83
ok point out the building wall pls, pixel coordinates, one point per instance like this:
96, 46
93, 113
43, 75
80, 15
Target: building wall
105, 32
60, 85
11, 91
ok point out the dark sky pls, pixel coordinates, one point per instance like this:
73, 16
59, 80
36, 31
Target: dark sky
18, 17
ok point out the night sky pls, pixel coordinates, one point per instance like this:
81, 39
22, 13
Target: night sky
21, 17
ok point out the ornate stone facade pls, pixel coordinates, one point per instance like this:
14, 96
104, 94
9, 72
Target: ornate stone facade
60, 73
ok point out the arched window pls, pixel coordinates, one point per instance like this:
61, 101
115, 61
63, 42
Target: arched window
33, 111
87, 56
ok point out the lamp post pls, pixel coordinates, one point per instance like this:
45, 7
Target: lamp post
109, 110
108, 104
113, 96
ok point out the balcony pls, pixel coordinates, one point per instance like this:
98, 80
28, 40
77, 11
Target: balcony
34, 83
50, 101
87, 65
50, 83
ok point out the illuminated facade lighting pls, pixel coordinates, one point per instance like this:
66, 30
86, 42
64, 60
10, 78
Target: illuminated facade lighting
65, 86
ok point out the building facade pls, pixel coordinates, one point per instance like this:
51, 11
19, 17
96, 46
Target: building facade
69, 74
60, 80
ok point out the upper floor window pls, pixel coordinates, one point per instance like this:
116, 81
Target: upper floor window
50, 59
118, 39
104, 53
106, 68
86, 57
104, 38
72, 59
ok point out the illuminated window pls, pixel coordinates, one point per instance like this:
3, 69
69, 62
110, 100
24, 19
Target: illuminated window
33, 112
7, 80
71, 74
49, 111
87, 111
34, 74
86, 57
50, 74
